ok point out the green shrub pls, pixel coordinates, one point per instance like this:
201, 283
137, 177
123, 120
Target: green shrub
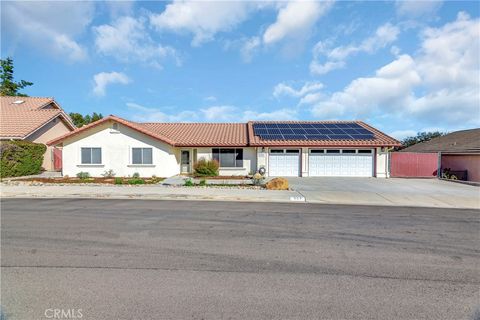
136, 175
83, 175
21, 158
189, 183
118, 180
108, 173
206, 168
203, 182
136, 181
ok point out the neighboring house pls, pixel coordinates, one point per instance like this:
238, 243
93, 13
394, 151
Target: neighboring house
283, 148
34, 119
459, 151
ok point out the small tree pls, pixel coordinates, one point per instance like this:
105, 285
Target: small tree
8, 86
421, 137
79, 120
204, 168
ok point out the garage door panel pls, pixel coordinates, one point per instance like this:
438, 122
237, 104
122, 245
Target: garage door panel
284, 165
344, 165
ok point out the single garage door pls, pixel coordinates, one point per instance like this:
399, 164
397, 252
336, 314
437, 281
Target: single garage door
284, 163
340, 163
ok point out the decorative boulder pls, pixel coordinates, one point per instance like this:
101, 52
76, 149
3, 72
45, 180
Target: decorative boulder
277, 184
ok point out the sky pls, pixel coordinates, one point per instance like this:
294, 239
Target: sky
403, 67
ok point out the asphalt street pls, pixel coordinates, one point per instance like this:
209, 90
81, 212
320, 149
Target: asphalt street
140, 259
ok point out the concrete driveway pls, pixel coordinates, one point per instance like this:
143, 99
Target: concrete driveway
375, 191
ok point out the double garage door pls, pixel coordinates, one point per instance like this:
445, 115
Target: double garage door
322, 163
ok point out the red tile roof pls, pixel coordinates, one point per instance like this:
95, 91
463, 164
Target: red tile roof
202, 134
381, 139
224, 135
112, 118
21, 116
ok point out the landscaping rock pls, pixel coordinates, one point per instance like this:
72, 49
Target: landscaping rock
277, 184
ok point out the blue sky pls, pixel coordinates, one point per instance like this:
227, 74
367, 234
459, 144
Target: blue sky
403, 67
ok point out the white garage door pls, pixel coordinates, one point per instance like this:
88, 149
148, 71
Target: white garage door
340, 163
284, 163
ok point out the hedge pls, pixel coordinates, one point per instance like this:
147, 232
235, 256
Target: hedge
204, 168
20, 158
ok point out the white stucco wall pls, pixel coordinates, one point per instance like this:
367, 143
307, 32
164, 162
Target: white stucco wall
382, 163
116, 153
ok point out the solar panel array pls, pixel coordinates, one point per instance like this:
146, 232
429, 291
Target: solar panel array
312, 131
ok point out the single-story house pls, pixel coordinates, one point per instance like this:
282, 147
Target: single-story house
283, 148
458, 151
35, 119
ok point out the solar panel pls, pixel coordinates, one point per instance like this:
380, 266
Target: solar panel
271, 125
324, 131
260, 131
294, 137
342, 125
297, 125
308, 125
318, 137
274, 131
349, 131
298, 131
259, 125
355, 125
362, 131
337, 131
286, 131
312, 131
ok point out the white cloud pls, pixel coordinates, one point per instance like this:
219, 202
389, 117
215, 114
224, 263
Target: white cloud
439, 83
49, 27
295, 19
127, 40
210, 99
335, 58
103, 79
249, 47
225, 113
283, 89
281, 114
416, 9
402, 134
220, 113
203, 19
318, 68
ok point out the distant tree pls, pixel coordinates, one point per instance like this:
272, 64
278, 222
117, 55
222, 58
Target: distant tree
421, 137
80, 120
8, 86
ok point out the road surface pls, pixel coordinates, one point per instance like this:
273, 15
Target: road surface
140, 259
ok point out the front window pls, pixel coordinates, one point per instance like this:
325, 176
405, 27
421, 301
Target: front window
142, 156
228, 158
91, 155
